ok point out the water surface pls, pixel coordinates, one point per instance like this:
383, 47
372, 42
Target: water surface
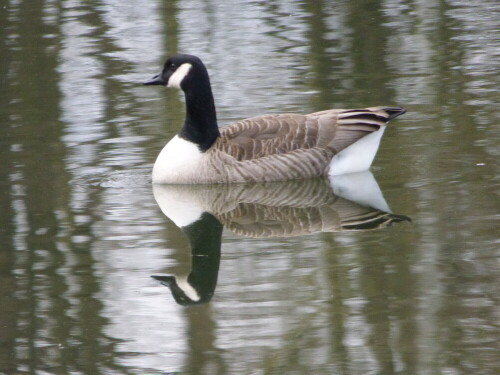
81, 233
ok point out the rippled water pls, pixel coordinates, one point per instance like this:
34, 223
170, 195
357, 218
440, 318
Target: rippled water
300, 278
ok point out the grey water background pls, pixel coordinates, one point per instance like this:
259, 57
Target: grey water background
81, 233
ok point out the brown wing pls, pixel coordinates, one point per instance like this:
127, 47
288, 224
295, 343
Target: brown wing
268, 135
331, 130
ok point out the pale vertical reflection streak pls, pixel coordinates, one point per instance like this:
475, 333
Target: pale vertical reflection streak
413, 56
411, 51
82, 103
245, 53
82, 109
135, 28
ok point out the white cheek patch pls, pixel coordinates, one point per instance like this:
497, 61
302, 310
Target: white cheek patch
176, 78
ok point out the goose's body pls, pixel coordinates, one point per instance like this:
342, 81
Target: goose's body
265, 148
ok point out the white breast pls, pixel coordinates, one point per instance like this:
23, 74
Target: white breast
177, 163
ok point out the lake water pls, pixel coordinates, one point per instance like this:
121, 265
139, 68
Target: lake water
305, 277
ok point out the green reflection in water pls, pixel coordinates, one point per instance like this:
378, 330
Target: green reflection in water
80, 232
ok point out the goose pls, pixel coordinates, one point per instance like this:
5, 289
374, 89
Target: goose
275, 147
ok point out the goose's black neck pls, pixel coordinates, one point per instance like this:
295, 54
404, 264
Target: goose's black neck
200, 126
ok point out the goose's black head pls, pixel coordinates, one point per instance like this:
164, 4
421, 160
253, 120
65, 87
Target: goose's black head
181, 71
188, 73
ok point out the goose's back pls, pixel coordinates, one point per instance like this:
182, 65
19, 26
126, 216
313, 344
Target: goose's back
291, 146
269, 135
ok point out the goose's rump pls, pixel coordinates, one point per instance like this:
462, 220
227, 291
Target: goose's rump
289, 146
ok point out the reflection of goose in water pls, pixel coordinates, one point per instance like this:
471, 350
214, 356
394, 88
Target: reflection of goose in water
281, 209
204, 236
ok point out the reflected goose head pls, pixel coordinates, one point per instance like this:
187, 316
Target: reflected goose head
183, 291
181, 71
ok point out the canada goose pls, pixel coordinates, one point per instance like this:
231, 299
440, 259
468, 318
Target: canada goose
264, 148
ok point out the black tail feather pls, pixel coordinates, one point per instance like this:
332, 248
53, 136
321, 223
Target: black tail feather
394, 112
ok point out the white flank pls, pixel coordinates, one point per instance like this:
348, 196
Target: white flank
357, 157
178, 159
176, 78
178, 207
187, 288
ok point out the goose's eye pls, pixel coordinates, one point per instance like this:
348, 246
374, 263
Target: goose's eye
172, 66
